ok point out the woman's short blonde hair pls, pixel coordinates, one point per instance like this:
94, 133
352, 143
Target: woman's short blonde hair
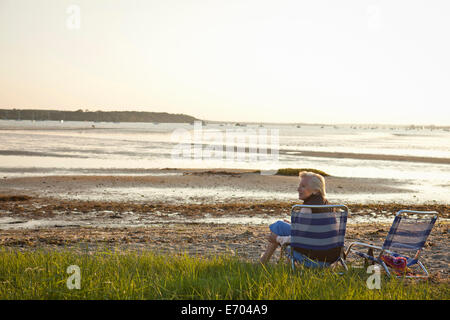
315, 181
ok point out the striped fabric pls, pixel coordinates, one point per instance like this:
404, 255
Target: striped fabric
408, 233
318, 231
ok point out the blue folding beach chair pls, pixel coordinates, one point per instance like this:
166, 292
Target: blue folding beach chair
317, 231
406, 238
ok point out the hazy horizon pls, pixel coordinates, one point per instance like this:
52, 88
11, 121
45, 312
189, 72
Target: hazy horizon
325, 62
248, 122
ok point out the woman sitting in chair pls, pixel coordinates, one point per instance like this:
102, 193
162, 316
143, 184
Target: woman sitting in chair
311, 190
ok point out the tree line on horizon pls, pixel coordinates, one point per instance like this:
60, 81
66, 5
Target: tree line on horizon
95, 116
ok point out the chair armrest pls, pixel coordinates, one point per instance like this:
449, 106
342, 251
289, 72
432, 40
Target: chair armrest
362, 244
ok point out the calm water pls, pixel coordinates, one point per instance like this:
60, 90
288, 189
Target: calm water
51, 147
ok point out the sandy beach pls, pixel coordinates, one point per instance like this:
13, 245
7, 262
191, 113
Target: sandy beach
232, 217
193, 186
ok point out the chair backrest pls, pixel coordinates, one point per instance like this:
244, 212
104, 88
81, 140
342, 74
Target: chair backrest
318, 231
410, 230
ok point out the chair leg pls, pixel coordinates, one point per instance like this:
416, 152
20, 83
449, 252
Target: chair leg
292, 259
385, 267
423, 269
343, 263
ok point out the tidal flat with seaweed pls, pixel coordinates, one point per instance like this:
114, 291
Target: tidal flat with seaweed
226, 212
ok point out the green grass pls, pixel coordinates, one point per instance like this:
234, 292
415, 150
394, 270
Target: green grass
295, 171
145, 275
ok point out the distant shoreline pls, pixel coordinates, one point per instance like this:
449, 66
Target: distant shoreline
164, 117
94, 116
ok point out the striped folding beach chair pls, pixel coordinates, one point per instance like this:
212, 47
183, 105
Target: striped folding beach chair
405, 240
318, 231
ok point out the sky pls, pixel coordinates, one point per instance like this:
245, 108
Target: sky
347, 61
